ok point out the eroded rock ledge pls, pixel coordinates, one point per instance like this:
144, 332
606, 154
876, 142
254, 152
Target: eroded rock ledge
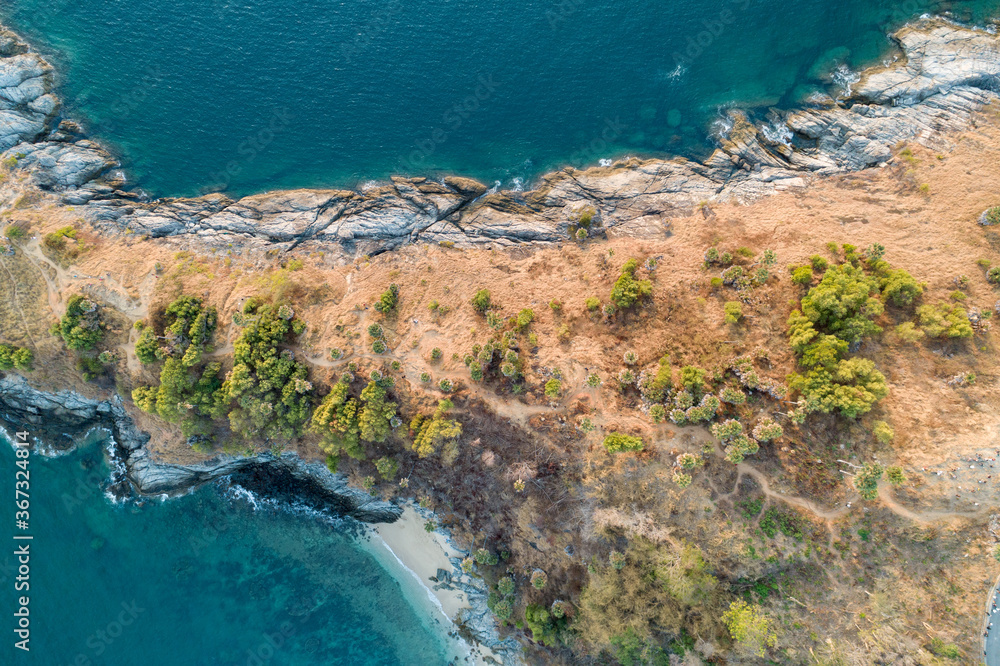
944, 74
61, 418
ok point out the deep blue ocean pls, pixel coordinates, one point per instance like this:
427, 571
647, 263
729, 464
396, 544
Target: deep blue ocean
208, 579
252, 96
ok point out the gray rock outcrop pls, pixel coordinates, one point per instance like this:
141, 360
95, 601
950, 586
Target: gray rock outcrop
944, 74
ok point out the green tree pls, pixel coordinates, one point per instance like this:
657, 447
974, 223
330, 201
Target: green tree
336, 420
387, 302
376, 412
866, 480
12, 357
843, 303
80, 327
851, 388
749, 627
435, 432
270, 389
627, 289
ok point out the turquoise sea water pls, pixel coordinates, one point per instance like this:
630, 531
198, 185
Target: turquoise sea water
201, 580
251, 96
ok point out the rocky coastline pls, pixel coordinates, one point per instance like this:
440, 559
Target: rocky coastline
60, 419
943, 74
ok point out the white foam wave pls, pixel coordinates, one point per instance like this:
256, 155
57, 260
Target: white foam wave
845, 77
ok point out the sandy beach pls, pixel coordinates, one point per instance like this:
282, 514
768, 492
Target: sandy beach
419, 554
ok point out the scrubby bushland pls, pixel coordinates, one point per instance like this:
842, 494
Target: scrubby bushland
80, 328
628, 290
481, 301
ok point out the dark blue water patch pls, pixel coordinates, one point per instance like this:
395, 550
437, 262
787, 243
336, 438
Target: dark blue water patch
203, 579
247, 97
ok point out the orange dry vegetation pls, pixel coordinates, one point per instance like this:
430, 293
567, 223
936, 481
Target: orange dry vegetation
931, 232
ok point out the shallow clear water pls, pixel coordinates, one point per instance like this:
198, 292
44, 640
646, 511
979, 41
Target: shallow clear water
247, 97
202, 579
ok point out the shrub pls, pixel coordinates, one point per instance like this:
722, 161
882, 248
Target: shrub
617, 442
866, 480
712, 255
524, 318
436, 354
387, 468
767, 430
556, 305
553, 388
593, 303
658, 413
446, 385
715, 282
693, 379
387, 302
993, 275
617, 560
593, 380
375, 331
727, 430
539, 579
733, 396
379, 347
12, 357
482, 302
883, 432
895, 475
627, 289
818, 263
425, 377
630, 358
654, 387
734, 311
991, 216
475, 371
15, 233
944, 321
506, 586
900, 287
681, 479
908, 332
802, 275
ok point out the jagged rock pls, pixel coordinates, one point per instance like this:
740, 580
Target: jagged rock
62, 418
945, 75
